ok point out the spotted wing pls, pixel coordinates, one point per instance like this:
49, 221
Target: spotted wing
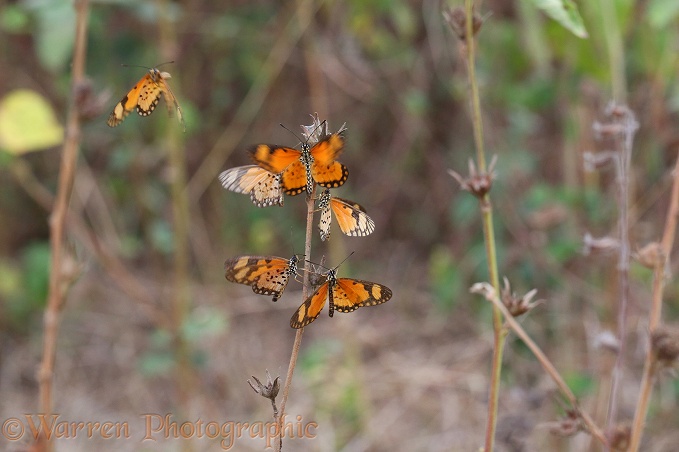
328, 149
264, 187
293, 179
311, 308
332, 175
170, 99
131, 100
350, 294
267, 275
351, 217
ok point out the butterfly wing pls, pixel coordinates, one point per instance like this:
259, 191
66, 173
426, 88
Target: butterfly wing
170, 99
311, 308
274, 158
263, 186
351, 217
130, 101
293, 179
267, 275
351, 294
328, 149
332, 175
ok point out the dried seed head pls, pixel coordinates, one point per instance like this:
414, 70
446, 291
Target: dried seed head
457, 19
318, 130
88, 104
477, 183
601, 245
651, 255
618, 437
665, 345
517, 305
268, 390
593, 161
485, 289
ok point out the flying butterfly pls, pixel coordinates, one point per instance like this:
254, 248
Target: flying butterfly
267, 275
144, 96
300, 169
351, 216
264, 187
343, 295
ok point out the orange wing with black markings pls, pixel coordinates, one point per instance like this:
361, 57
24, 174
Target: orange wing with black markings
343, 295
351, 216
267, 275
299, 169
264, 187
144, 96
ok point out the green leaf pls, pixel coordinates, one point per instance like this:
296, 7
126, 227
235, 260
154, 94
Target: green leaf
661, 13
55, 32
27, 123
566, 13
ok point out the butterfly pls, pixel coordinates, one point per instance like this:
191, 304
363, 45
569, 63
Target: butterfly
351, 216
344, 295
268, 275
264, 187
300, 169
144, 96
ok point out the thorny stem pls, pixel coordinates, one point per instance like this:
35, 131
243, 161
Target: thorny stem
488, 233
623, 162
298, 335
656, 310
549, 368
59, 280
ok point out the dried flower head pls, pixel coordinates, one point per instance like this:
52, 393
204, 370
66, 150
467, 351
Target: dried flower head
651, 255
619, 436
477, 183
517, 305
88, 104
665, 345
457, 19
318, 130
268, 390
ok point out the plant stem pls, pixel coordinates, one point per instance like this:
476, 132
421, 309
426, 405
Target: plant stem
58, 279
298, 335
656, 310
488, 233
616, 51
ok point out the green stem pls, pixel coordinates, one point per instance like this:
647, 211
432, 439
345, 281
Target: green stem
489, 235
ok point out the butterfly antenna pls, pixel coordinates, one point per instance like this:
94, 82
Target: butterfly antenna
296, 136
167, 62
350, 254
135, 65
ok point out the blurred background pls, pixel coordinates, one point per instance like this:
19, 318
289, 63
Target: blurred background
411, 374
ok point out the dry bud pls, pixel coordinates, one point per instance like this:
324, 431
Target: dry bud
568, 425
517, 305
477, 183
651, 255
457, 19
665, 345
88, 104
618, 437
318, 130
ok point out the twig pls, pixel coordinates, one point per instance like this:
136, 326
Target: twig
655, 314
58, 282
298, 335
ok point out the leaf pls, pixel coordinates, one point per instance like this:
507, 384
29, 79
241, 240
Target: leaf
661, 13
55, 31
566, 13
27, 123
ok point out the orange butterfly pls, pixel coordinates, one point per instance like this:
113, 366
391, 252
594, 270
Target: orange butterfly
264, 187
144, 96
351, 216
344, 295
300, 169
268, 275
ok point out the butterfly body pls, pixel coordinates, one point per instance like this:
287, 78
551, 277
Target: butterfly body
144, 97
300, 169
264, 187
343, 295
351, 216
267, 275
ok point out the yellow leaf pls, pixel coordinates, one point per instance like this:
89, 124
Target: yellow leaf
27, 123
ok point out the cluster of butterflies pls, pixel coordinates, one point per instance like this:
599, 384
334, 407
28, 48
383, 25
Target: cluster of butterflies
280, 170
269, 275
